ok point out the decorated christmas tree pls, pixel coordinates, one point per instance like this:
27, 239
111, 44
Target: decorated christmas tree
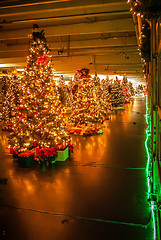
5, 107
62, 89
75, 82
10, 101
116, 94
86, 107
69, 94
131, 89
125, 88
39, 121
105, 95
65, 91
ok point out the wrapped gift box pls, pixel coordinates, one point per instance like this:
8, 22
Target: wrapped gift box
63, 154
127, 100
120, 108
85, 131
75, 130
25, 160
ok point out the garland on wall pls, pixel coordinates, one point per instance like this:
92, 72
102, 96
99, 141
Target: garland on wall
145, 42
147, 8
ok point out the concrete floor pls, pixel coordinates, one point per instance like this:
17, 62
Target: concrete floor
99, 193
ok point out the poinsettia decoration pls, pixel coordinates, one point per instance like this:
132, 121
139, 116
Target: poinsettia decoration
46, 153
26, 154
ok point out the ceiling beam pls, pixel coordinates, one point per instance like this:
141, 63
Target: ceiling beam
99, 42
58, 5
55, 10
119, 25
114, 59
84, 44
87, 16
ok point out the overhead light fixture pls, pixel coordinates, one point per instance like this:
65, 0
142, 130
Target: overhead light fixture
125, 55
20, 69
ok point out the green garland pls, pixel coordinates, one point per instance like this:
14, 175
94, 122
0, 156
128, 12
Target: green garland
145, 47
149, 8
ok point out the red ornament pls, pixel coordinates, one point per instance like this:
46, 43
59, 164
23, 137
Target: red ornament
11, 150
35, 144
22, 117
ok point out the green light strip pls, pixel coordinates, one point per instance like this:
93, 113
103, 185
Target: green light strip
149, 171
153, 216
148, 162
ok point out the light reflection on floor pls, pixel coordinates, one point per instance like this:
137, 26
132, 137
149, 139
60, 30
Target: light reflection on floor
92, 183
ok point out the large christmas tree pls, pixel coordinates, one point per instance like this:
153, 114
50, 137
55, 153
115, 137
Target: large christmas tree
86, 107
39, 121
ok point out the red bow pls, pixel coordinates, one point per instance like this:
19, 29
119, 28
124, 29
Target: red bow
42, 60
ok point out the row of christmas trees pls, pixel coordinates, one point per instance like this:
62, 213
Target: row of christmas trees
32, 103
88, 99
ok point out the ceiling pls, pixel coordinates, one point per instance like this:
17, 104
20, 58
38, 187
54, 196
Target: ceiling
96, 34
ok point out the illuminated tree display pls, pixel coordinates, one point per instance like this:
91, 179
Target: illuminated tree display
86, 107
65, 91
10, 99
117, 97
131, 89
39, 121
62, 89
125, 88
105, 95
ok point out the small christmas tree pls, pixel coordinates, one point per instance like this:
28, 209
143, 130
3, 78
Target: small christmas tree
131, 89
75, 82
65, 91
69, 96
105, 95
10, 100
62, 89
86, 108
39, 121
116, 94
125, 88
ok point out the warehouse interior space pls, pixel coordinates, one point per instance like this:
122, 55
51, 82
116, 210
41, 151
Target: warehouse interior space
80, 110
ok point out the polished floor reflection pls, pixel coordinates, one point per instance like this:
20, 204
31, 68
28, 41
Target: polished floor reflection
99, 193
